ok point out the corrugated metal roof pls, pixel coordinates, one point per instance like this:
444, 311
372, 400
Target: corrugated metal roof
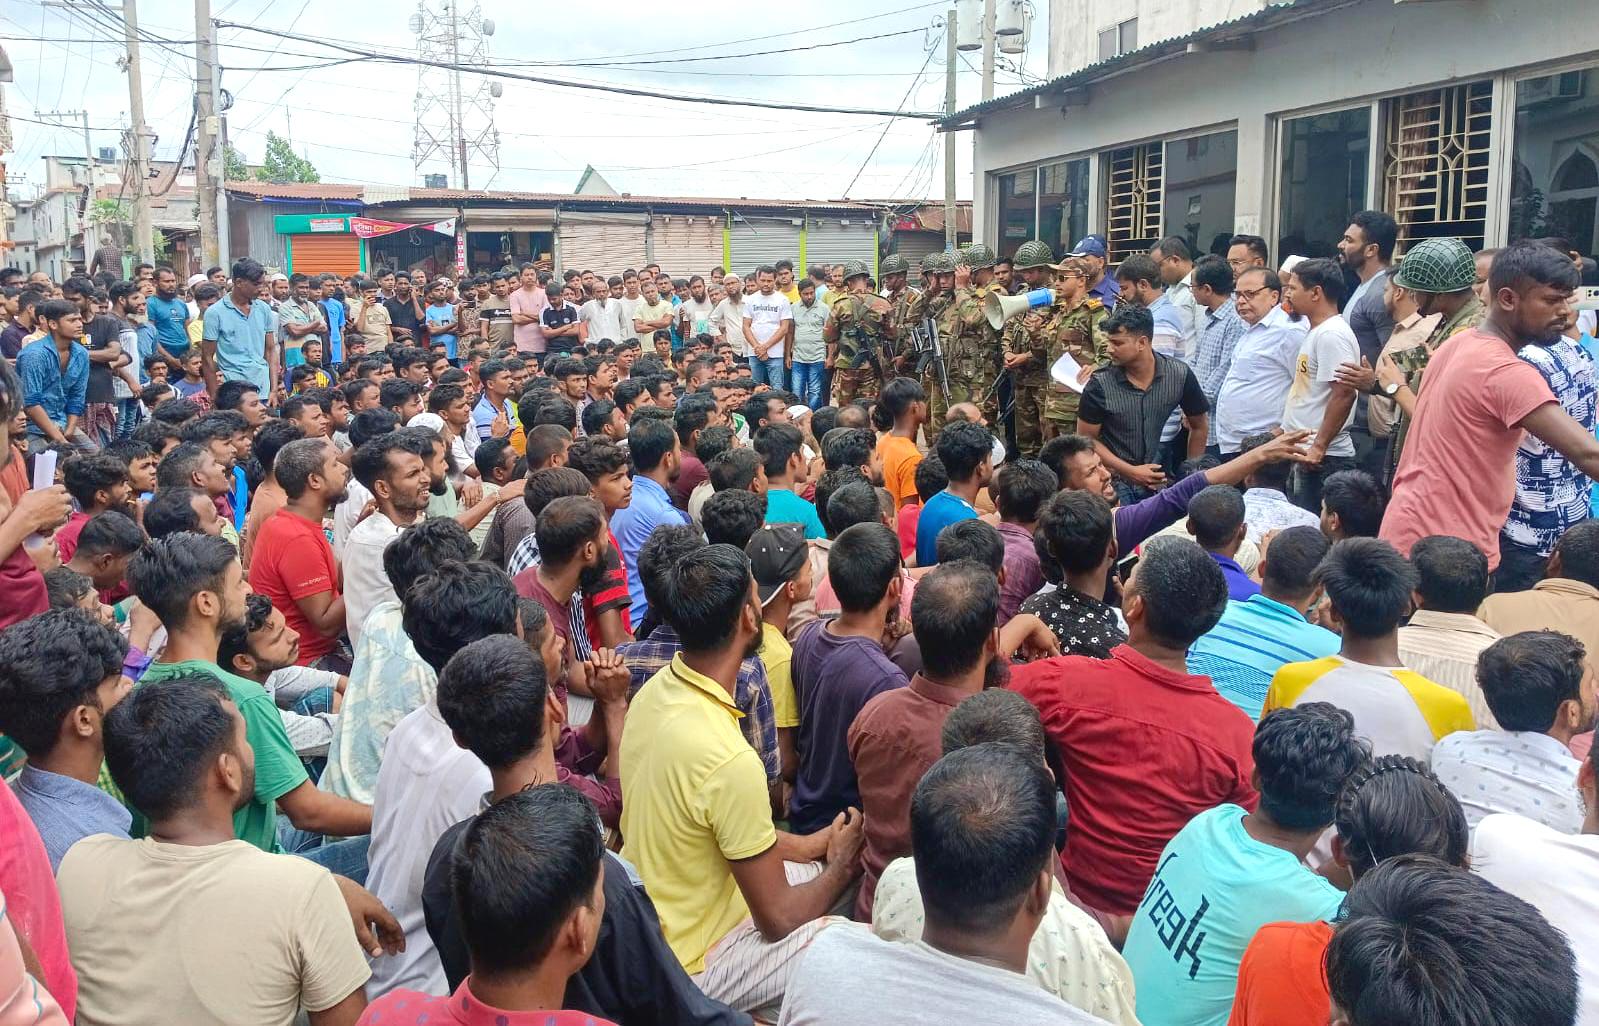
373, 195
1272, 14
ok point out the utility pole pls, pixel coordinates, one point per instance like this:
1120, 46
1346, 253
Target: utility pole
88, 151
143, 224
949, 136
207, 154
988, 53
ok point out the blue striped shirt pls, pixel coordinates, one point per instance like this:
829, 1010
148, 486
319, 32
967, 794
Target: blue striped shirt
1252, 641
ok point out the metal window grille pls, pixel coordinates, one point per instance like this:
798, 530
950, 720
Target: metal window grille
1435, 175
1135, 185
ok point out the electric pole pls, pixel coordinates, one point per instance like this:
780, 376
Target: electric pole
82, 116
208, 161
949, 136
139, 152
988, 56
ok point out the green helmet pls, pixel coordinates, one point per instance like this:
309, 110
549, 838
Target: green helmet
977, 256
938, 263
893, 264
856, 269
1437, 265
1033, 254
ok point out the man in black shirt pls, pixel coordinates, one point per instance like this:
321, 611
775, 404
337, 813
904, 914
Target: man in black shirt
405, 315
484, 694
561, 328
1125, 405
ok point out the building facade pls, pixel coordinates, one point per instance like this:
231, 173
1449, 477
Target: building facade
1476, 120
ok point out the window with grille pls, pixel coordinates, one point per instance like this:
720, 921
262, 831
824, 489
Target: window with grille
1435, 178
1135, 183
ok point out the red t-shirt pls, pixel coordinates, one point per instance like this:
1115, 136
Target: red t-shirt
529, 586
290, 560
22, 591
1144, 751
905, 520
1281, 979
412, 1008
1457, 474
67, 534
31, 901
612, 595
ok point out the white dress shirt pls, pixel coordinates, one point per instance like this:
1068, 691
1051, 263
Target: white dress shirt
366, 583
1517, 771
1251, 398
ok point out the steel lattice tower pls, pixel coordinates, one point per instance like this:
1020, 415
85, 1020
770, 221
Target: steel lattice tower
454, 114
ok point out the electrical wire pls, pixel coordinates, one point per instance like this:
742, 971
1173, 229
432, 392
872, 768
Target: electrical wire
932, 48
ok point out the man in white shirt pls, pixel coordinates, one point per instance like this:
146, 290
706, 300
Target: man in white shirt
1176, 263
1252, 394
629, 302
727, 319
393, 468
696, 315
602, 315
1444, 637
969, 965
1542, 693
1317, 400
768, 323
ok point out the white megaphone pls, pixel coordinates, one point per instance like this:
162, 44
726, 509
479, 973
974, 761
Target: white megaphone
999, 309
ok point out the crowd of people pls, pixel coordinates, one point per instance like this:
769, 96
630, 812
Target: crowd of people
1192, 643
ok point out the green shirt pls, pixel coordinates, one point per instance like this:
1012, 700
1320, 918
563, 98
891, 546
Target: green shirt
277, 769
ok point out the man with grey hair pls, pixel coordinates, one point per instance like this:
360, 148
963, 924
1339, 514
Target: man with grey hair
291, 561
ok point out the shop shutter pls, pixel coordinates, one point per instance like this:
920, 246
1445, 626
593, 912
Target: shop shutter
836, 239
329, 253
763, 240
606, 244
686, 244
914, 245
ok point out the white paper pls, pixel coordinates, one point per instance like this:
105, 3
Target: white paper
1066, 370
44, 469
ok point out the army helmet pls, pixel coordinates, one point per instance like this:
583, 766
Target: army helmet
855, 269
1437, 265
893, 264
977, 256
1033, 253
938, 263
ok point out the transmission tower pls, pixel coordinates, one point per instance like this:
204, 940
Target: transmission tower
454, 118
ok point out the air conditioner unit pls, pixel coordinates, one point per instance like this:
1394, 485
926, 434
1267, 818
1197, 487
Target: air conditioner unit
1565, 86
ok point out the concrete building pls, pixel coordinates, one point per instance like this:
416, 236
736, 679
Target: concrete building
1478, 120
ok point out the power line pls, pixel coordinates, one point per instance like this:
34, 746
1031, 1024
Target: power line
725, 101
931, 49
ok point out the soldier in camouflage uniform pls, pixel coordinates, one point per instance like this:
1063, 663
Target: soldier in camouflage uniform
973, 354
894, 270
1028, 363
1072, 325
938, 270
858, 367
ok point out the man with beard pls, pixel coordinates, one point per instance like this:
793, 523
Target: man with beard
292, 561
736, 904
573, 544
97, 482
657, 459
405, 313
391, 467
1366, 250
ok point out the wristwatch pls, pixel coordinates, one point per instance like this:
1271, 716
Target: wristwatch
1392, 388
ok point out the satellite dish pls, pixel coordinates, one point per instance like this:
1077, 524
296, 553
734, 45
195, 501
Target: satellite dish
415, 23
488, 26
496, 89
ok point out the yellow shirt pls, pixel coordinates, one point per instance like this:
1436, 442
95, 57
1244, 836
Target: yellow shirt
694, 798
777, 655
791, 293
1376, 696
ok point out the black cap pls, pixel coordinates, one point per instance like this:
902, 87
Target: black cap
777, 553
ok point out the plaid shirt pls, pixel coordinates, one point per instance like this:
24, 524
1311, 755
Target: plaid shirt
752, 694
1213, 354
1552, 494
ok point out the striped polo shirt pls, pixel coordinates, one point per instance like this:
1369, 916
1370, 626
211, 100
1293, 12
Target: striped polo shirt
1131, 418
1253, 640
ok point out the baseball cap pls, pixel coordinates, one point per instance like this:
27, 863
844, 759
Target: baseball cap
777, 553
1089, 245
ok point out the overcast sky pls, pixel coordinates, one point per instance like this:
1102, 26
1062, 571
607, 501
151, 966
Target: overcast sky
355, 122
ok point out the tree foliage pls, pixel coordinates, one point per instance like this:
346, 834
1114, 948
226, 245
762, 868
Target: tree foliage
282, 165
234, 167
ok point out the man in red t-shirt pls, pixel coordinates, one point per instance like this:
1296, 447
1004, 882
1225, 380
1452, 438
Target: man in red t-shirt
572, 542
1145, 746
605, 606
1458, 469
292, 561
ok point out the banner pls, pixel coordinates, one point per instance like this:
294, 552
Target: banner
371, 227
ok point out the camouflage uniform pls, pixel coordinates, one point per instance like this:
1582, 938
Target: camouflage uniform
854, 376
972, 354
936, 306
904, 304
1075, 330
1030, 381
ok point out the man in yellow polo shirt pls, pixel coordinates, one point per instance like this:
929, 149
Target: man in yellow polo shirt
1400, 712
738, 901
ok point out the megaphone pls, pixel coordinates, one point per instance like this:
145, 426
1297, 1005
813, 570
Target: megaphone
999, 309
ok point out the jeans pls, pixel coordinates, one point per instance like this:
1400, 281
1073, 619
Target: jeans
807, 383
1520, 567
768, 371
1305, 485
343, 856
1128, 493
313, 703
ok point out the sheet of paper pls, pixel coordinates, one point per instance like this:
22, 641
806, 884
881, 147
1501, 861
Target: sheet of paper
44, 469
1066, 370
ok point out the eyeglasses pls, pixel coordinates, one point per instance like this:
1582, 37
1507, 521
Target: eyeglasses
1250, 294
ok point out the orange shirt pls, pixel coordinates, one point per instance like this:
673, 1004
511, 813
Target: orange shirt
900, 459
1281, 979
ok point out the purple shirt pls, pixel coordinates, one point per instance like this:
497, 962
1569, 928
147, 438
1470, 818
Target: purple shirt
834, 676
1239, 586
1023, 576
1135, 523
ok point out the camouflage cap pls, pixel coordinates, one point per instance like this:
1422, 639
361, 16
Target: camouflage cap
977, 256
938, 263
1033, 254
856, 269
893, 264
1437, 265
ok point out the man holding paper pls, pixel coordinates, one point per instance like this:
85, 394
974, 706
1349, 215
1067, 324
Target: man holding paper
1071, 327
